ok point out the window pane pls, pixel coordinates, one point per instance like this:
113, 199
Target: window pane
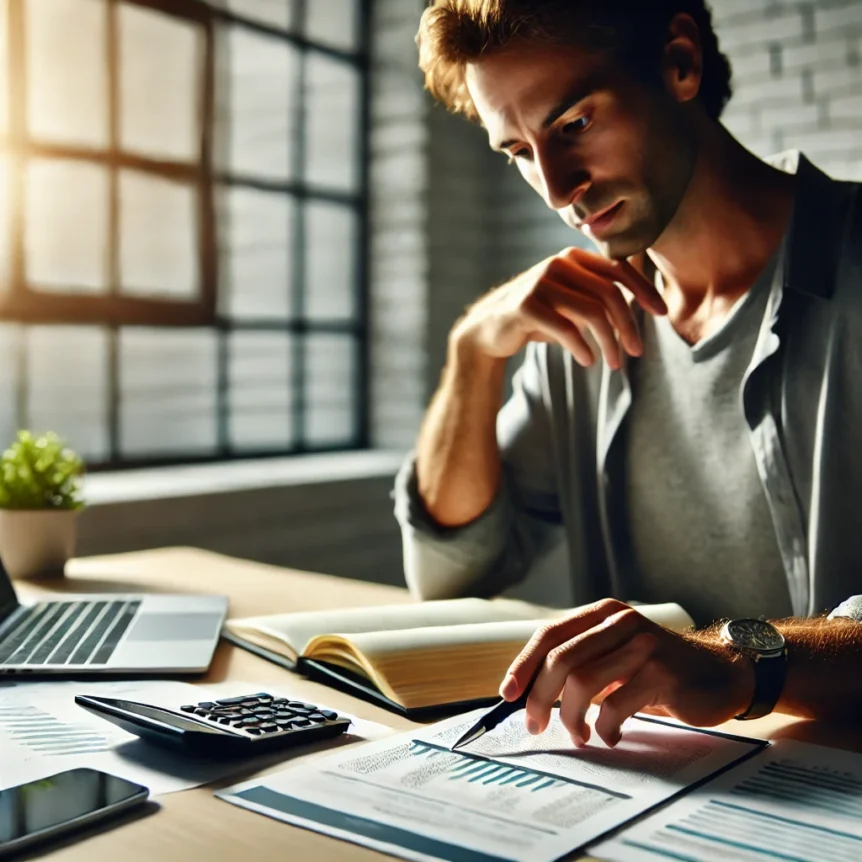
330, 362
332, 123
168, 385
67, 385
161, 60
11, 341
158, 237
4, 77
5, 225
331, 274
276, 13
259, 105
260, 390
66, 235
67, 82
333, 22
257, 242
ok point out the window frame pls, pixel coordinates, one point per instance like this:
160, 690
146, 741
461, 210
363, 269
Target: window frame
22, 305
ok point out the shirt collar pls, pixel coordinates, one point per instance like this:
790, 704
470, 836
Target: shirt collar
814, 236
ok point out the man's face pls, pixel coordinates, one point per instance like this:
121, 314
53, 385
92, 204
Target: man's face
611, 155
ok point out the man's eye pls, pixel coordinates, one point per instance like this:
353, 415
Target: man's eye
575, 126
518, 154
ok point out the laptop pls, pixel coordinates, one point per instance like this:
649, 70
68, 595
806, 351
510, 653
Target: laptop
108, 633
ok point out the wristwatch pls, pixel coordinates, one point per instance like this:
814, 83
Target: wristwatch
765, 646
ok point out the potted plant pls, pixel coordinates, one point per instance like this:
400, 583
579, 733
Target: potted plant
40, 487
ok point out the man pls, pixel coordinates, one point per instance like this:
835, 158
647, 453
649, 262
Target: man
708, 455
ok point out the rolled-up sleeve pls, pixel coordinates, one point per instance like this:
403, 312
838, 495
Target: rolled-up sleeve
498, 548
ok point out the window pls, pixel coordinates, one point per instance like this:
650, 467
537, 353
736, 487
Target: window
182, 226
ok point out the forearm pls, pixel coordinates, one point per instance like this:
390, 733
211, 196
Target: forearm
824, 668
457, 457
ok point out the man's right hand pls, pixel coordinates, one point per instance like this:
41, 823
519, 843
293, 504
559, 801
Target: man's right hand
556, 301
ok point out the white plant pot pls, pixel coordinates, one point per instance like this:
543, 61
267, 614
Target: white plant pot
36, 543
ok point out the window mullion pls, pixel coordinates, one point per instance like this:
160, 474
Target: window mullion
300, 382
113, 245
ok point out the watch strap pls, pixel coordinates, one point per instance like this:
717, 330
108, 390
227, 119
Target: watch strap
769, 673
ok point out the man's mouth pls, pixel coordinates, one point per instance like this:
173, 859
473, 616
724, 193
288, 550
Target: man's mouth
599, 222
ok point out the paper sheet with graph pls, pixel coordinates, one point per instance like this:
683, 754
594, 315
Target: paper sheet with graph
796, 802
43, 731
508, 796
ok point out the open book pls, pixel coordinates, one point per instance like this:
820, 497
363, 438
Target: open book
419, 658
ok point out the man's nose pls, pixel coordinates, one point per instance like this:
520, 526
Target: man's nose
563, 182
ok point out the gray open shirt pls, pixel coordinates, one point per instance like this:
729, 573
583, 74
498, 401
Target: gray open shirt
563, 457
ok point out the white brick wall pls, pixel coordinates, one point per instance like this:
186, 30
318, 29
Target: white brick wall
399, 246
797, 78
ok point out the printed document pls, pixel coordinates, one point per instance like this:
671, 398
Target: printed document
508, 796
43, 731
794, 802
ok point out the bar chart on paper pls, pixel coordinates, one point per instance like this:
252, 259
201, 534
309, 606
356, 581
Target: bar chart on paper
804, 805
40, 732
472, 771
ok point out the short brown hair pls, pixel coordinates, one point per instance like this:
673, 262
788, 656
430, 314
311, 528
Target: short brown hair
454, 33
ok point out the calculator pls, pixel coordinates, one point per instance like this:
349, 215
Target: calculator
246, 725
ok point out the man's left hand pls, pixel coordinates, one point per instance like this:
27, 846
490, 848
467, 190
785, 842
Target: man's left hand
609, 652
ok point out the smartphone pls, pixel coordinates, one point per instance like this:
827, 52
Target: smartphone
40, 810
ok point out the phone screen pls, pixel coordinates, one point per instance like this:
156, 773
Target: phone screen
45, 805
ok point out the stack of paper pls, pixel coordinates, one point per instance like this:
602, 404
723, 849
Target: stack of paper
508, 796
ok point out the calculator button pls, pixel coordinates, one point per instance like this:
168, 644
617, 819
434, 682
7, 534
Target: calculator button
256, 731
269, 727
329, 714
207, 704
302, 722
316, 717
225, 721
189, 707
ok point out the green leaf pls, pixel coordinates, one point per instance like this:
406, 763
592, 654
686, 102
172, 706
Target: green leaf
40, 473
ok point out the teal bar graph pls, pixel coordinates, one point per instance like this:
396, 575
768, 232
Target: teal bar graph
45, 734
487, 772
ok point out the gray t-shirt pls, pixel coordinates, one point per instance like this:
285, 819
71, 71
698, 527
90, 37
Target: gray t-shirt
699, 524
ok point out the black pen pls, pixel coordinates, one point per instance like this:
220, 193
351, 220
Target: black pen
497, 714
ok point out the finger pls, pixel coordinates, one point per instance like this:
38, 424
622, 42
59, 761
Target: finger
572, 656
548, 637
577, 279
637, 694
592, 313
609, 672
553, 325
573, 713
644, 291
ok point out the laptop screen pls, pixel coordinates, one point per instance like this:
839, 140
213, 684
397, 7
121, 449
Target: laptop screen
8, 599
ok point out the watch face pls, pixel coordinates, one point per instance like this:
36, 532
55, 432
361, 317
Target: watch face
755, 635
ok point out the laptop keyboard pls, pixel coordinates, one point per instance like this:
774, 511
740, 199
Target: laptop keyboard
68, 633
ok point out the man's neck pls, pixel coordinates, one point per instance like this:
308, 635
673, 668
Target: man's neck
728, 226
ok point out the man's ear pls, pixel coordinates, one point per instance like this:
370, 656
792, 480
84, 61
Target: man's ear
682, 63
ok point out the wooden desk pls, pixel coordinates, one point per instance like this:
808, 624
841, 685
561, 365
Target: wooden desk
194, 823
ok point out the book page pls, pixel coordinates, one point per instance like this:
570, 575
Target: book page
296, 630
795, 801
410, 796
